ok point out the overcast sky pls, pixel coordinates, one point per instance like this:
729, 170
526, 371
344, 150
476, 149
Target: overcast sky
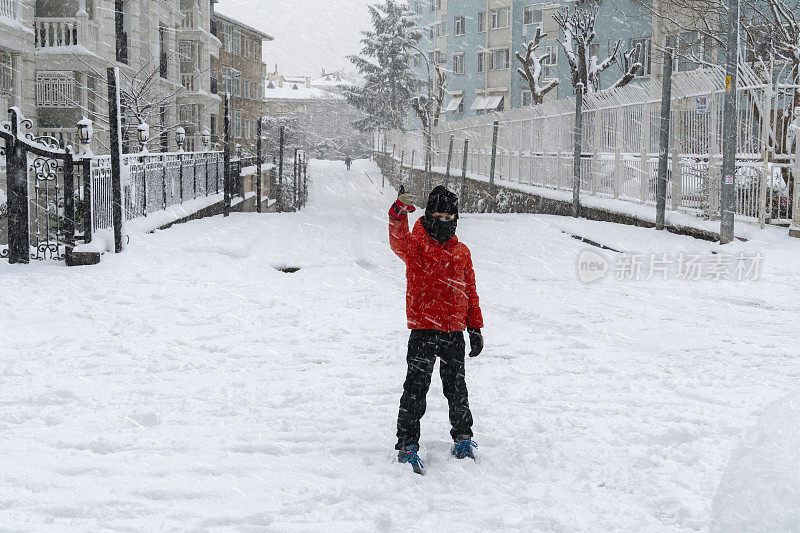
309, 34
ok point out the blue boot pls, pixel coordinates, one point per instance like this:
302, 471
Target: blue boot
463, 447
409, 455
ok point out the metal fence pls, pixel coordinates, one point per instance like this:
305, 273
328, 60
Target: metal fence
619, 156
153, 182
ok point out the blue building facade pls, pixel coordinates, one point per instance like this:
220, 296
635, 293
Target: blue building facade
475, 41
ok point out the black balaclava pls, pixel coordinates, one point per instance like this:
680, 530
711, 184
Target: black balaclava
441, 201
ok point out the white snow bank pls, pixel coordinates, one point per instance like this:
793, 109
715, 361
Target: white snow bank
760, 490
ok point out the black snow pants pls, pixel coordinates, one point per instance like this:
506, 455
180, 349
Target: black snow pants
424, 346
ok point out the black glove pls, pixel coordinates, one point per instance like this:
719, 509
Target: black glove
475, 341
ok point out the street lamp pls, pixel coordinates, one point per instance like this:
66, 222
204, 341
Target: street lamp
180, 137
85, 132
143, 135
238, 150
206, 137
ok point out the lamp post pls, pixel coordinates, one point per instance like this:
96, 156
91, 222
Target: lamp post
180, 137
85, 132
143, 135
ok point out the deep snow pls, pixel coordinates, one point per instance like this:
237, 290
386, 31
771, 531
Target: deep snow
187, 384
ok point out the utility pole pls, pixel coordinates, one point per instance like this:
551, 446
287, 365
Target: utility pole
728, 196
663, 143
226, 157
115, 131
258, 165
495, 129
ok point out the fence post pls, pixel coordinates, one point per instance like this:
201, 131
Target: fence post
226, 157
643, 176
69, 202
492, 168
87, 200
411, 170
17, 180
578, 150
279, 193
464, 171
258, 165
180, 174
400, 172
449, 159
663, 141
677, 180
595, 171
794, 230
616, 182
112, 74
294, 178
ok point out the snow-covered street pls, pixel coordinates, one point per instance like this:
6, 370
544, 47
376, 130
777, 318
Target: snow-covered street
188, 384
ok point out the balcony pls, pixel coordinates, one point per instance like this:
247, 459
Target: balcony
9, 9
189, 21
188, 82
58, 32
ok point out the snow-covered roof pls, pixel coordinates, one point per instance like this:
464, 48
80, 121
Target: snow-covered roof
330, 80
298, 91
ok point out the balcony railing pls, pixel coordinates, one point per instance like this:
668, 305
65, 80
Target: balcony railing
9, 8
55, 32
188, 19
188, 82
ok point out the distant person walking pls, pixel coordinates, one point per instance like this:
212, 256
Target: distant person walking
348, 162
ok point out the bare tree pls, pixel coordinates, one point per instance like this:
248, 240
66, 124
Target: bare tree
439, 93
578, 26
532, 71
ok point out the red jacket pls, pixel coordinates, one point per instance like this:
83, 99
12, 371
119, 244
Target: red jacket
440, 291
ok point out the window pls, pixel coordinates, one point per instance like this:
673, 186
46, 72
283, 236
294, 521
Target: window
481, 61
644, 56
498, 59
438, 29
185, 51
441, 57
458, 64
430, 32
6, 74
226, 36
55, 89
532, 14
460, 25
689, 47
500, 18
227, 80
237, 83
185, 114
417, 60
594, 50
247, 93
237, 123
550, 62
481, 22
527, 98
246, 129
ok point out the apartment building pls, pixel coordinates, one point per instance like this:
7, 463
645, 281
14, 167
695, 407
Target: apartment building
54, 55
475, 41
241, 72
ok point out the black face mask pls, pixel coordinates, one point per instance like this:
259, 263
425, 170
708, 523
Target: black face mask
439, 230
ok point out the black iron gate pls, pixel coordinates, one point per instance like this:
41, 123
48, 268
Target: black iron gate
40, 178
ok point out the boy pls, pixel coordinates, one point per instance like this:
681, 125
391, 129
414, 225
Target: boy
441, 300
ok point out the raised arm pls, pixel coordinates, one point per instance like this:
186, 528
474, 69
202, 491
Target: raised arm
399, 235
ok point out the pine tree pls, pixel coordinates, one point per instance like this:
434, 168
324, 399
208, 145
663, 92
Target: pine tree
385, 64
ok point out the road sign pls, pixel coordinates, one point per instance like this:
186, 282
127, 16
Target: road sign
728, 83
